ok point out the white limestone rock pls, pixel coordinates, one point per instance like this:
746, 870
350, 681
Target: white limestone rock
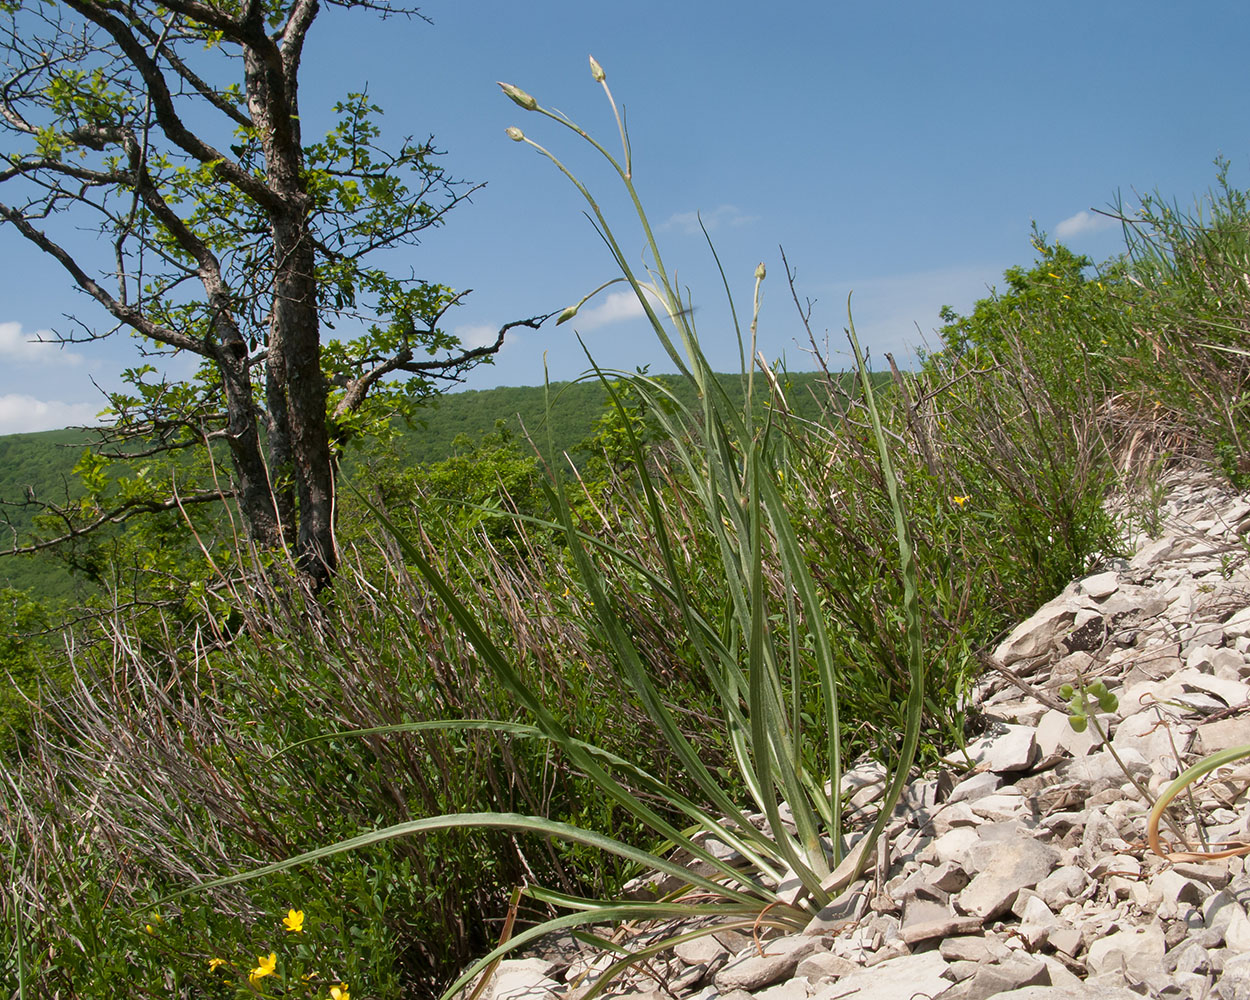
1137, 950
900, 978
1006, 868
750, 970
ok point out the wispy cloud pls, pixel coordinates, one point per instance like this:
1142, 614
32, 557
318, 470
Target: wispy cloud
726, 215
20, 414
26, 348
899, 312
1082, 224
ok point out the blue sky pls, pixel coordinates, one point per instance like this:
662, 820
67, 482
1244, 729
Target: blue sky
900, 151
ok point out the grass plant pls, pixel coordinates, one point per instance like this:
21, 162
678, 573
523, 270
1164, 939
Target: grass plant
756, 643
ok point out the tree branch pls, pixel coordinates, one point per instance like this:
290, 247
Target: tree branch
128, 315
118, 515
357, 389
162, 101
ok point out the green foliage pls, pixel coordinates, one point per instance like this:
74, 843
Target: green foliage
31, 668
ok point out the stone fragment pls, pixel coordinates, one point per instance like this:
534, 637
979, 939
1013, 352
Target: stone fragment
955, 845
792, 989
1222, 734
701, 950
1059, 973
1006, 868
1055, 734
750, 970
982, 949
1036, 923
948, 877
1100, 770
975, 786
824, 965
1015, 973
1231, 692
1157, 741
939, 926
957, 972
1004, 805
948, 817
1213, 873
1155, 552
1138, 951
1098, 586
1237, 933
1066, 939
844, 909
1083, 991
1235, 978
1174, 890
1014, 749
522, 979
1190, 957
900, 978
1195, 634
1038, 634
865, 783
1214, 659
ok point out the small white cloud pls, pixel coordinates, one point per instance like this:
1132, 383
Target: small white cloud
726, 215
21, 414
27, 348
1082, 224
615, 308
475, 335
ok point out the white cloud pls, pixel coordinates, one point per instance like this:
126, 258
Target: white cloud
725, 215
27, 348
615, 308
474, 335
20, 414
1082, 223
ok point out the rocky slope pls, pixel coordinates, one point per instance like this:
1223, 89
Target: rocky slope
1023, 871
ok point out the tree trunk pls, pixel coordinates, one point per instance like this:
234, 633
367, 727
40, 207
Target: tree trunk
295, 330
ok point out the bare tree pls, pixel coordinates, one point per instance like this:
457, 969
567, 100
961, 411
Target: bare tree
175, 127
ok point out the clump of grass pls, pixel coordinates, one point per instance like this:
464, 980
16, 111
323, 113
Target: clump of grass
755, 645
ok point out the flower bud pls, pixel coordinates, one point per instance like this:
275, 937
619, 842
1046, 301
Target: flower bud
515, 134
760, 271
519, 96
596, 70
566, 315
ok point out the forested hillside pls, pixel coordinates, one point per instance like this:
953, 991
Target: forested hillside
39, 467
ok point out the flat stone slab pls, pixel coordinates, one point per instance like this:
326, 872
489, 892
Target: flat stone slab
1005, 869
900, 978
751, 970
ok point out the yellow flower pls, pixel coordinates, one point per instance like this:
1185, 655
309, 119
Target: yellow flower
340, 992
960, 500
265, 968
216, 963
294, 921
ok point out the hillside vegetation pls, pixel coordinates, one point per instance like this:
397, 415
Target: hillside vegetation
232, 786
